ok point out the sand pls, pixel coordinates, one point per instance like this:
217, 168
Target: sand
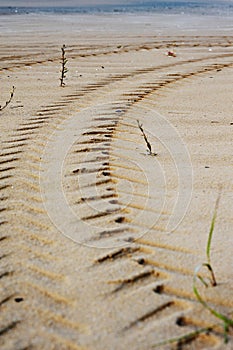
100, 239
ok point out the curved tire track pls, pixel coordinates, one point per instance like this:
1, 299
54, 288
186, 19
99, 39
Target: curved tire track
153, 274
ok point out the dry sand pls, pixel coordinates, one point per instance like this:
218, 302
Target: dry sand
74, 168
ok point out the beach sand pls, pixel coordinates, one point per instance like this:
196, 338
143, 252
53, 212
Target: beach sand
100, 239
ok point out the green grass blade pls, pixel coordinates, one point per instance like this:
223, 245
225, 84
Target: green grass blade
203, 281
227, 321
184, 338
212, 230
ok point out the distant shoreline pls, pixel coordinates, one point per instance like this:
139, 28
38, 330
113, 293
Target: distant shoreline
205, 8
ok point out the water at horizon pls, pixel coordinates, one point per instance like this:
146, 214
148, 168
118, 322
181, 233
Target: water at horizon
219, 8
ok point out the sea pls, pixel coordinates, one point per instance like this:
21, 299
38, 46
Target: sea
214, 8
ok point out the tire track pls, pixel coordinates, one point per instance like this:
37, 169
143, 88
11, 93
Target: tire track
174, 295
106, 160
29, 60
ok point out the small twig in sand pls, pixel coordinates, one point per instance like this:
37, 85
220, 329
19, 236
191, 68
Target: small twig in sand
64, 70
149, 148
10, 99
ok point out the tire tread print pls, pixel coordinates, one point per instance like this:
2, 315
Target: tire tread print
139, 252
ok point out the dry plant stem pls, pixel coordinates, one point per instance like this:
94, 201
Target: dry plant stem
10, 99
64, 70
149, 148
213, 279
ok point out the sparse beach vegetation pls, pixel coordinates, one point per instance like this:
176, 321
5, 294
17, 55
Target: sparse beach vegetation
64, 69
226, 321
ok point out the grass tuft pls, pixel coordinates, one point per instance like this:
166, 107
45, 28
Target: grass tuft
208, 248
226, 321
